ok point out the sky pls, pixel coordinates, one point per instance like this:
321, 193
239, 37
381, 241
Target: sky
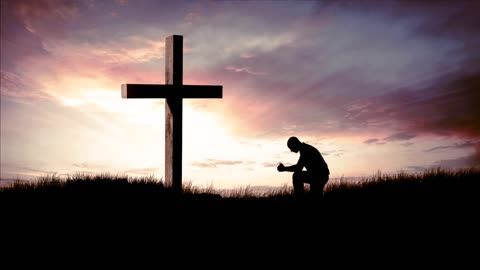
375, 85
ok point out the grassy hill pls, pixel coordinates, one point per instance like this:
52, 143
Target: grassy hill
437, 190
410, 213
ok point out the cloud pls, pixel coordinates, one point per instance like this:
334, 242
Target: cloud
370, 141
374, 141
83, 165
401, 136
453, 109
307, 68
416, 168
445, 107
146, 171
91, 166
469, 161
247, 55
270, 164
467, 144
323, 73
14, 85
11, 170
213, 163
32, 12
450, 164
122, 2
135, 49
321, 77
17, 43
244, 69
336, 153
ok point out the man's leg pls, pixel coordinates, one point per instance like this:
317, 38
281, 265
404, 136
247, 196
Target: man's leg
317, 183
315, 188
298, 188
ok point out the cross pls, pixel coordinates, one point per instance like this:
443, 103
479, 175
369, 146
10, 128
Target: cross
174, 92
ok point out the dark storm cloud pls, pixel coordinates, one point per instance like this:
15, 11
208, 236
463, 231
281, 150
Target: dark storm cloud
450, 107
448, 104
413, 79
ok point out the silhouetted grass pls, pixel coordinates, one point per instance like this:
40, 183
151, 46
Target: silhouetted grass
88, 183
435, 182
434, 186
436, 206
432, 191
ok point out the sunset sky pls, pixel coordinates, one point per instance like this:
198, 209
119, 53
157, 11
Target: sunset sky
374, 85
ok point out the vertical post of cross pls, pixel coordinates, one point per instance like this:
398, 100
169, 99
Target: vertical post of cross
174, 92
173, 113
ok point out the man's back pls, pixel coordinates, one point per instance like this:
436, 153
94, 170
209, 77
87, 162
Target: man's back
313, 161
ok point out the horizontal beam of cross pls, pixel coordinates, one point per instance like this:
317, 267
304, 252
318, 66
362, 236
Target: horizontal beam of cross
170, 91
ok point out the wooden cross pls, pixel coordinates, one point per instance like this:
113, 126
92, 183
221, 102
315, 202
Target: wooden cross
174, 92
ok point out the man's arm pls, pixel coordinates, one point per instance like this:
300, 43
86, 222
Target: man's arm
294, 168
283, 168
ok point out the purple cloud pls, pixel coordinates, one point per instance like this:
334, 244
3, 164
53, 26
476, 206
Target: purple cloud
321, 84
449, 107
320, 70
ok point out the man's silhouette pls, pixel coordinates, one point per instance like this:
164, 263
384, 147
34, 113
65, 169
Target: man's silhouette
316, 173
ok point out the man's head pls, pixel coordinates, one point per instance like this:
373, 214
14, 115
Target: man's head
294, 144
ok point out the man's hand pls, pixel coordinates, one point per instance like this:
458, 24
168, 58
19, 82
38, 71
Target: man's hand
281, 167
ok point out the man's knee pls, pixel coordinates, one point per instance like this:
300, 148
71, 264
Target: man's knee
316, 187
297, 177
